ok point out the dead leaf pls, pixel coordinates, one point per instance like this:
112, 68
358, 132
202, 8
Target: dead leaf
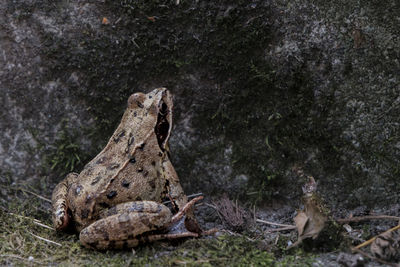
300, 220
386, 246
311, 221
105, 21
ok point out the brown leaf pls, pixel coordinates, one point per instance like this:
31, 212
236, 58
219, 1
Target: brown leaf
387, 246
105, 21
311, 221
300, 220
314, 218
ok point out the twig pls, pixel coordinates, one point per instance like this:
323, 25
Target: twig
195, 195
366, 243
36, 195
189, 196
27, 191
276, 240
374, 258
216, 209
276, 224
367, 218
211, 206
35, 221
44, 225
46, 240
210, 231
291, 227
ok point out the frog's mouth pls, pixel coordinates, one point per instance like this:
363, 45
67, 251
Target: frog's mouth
162, 125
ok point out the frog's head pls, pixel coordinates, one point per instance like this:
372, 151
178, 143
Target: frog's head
155, 112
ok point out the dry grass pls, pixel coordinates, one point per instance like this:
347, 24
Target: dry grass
231, 213
27, 239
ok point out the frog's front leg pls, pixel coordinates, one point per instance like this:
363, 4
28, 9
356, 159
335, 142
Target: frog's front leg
179, 197
60, 215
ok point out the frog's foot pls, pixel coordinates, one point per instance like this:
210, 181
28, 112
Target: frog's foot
184, 220
184, 209
61, 216
177, 227
127, 225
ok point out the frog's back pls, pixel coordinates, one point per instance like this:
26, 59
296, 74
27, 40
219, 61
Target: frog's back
126, 170
110, 179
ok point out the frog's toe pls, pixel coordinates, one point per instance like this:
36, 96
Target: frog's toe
60, 212
178, 227
87, 240
61, 218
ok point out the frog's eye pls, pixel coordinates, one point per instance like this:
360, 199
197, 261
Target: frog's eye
136, 100
162, 127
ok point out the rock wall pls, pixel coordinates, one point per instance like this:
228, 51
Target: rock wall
261, 88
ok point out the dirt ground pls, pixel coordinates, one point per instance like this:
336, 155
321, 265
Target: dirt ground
27, 237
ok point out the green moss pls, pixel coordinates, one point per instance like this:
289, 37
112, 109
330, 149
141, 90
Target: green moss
21, 244
366, 232
65, 154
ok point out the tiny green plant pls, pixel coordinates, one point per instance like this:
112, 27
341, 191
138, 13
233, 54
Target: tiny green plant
65, 154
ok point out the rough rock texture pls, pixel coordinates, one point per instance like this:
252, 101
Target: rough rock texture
261, 88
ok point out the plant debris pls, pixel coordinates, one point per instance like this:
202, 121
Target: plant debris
386, 246
312, 219
351, 260
314, 223
231, 214
105, 21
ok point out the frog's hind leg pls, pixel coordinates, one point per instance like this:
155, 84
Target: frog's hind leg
126, 225
60, 215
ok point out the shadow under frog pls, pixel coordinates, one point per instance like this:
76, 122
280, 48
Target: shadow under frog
116, 201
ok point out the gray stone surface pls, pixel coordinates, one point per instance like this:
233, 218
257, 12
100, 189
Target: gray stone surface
260, 87
33, 101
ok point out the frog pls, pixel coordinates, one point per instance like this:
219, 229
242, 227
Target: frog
118, 200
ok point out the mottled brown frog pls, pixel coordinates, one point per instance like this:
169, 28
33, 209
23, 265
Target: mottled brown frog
116, 201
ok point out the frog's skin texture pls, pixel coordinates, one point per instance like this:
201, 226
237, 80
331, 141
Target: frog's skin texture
116, 201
